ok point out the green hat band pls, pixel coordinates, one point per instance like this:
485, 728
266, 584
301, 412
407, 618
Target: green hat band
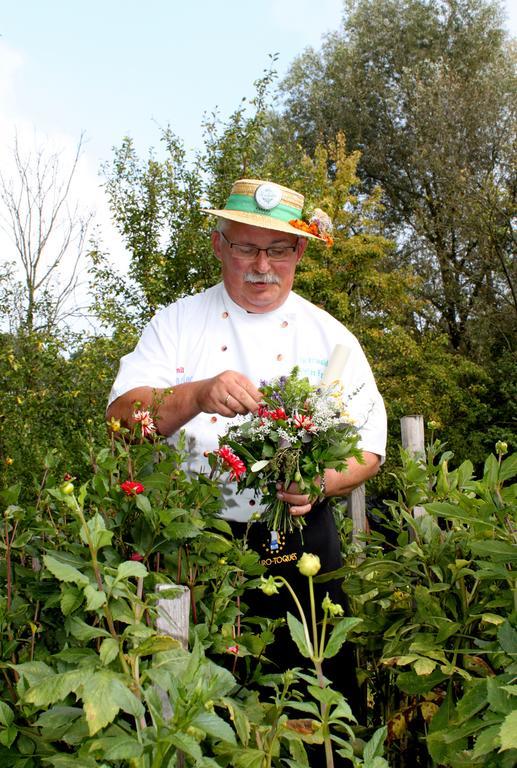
247, 204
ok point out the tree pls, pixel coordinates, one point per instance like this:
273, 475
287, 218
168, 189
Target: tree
157, 205
426, 90
48, 234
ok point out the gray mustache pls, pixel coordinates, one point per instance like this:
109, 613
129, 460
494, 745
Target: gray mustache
251, 277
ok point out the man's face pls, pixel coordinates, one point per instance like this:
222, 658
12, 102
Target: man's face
257, 284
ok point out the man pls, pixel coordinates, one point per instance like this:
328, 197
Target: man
200, 362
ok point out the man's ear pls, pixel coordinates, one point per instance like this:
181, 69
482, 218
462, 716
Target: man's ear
302, 245
216, 243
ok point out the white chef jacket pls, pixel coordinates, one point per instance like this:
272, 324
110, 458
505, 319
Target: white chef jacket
200, 336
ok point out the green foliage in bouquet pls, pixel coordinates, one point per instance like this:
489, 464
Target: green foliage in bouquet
299, 430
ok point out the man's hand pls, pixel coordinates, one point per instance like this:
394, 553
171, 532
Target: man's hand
227, 394
336, 483
299, 503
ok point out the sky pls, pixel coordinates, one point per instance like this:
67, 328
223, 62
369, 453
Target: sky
110, 68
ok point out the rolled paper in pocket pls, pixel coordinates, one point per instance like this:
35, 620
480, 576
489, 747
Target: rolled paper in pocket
336, 364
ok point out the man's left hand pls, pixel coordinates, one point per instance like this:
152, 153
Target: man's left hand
299, 502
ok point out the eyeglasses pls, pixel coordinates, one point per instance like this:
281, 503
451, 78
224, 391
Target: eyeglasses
250, 252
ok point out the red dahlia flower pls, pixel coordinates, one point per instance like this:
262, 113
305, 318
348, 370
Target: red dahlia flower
303, 422
132, 488
275, 415
236, 465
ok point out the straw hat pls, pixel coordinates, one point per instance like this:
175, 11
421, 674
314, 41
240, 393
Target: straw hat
267, 205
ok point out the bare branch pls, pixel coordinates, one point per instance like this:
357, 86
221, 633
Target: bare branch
46, 229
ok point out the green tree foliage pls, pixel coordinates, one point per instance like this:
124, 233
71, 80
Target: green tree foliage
54, 390
156, 206
360, 281
426, 90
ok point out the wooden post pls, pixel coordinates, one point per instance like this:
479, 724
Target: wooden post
173, 613
413, 441
173, 620
356, 503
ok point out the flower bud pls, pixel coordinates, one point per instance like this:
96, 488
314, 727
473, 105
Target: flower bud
501, 448
268, 586
333, 609
67, 488
309, 565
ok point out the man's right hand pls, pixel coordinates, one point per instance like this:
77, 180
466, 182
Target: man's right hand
227, 394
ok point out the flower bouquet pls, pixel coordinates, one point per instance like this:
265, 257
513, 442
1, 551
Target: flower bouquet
298, 431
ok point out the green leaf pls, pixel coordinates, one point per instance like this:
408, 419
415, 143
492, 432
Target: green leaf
9, 496
473, 701
21, 541
424, 666
71, 598
214, 726
99, 535
339, 635
178, 531
82, 631
249, 758
8, 736
94, 598
143, 504
411, 683
508, 468
6, 714
375, 747
103, 695
487, 741
117, 747
109, 650
498, 550
31, 672
499, 700
239, 719
156, 644
507, 637
258, 465
78, 657
508, 732
492, 618
70, 761
63, 723
54, 688
298, 635
491, 471
186, 743
325, 695
65, 572
305, 706
131, 568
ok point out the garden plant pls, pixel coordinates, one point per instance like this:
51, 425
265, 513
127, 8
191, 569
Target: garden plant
88, 680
